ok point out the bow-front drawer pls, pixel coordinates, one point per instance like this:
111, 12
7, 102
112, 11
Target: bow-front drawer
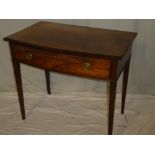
63, 63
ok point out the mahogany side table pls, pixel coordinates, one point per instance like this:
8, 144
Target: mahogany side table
75, 50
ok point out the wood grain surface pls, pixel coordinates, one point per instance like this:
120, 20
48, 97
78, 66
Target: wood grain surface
63, 63
75, 39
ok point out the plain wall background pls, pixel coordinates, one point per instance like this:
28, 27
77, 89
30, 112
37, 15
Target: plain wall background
142, 72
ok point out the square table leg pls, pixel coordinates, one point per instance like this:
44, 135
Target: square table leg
112, 97
124, 87
18, 79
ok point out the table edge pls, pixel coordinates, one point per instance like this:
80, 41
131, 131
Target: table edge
70, 52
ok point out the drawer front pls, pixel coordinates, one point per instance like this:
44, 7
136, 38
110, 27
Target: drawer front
63, 63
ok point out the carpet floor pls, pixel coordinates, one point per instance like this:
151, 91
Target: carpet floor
75, 114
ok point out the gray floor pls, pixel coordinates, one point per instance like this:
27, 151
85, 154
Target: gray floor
75, 114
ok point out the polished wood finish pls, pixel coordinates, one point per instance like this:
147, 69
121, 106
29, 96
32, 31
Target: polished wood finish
75, 39
124, 87
18, 79
63, 63
75, 50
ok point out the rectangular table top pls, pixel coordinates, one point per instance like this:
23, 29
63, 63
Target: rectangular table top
75, 39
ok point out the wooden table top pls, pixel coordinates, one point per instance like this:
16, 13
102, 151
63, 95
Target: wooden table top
75, 39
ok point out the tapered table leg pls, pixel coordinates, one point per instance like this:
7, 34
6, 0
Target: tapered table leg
124, 87
112, 96
18, 79
47, 74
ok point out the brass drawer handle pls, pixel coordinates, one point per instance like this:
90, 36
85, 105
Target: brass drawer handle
29, 56
86, 66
